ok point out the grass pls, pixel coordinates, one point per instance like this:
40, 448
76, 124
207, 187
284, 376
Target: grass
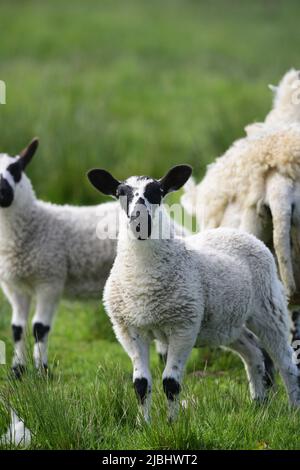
135, 87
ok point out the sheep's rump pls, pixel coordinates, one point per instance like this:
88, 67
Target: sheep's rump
241, 173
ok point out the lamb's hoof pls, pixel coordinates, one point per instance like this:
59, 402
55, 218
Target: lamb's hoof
18, 371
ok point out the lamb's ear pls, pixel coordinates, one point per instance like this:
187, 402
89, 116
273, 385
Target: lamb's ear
103, 181
27, 153
175, 178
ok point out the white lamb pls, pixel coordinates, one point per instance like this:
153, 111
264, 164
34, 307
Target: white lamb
255, 185
47, 251
216, 288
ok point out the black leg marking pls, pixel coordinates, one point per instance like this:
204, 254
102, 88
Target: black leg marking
171, 388
17, 332
269, 378
18, 371
40, 331
141, 389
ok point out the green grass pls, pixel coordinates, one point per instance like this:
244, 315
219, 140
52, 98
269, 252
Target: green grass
135, 87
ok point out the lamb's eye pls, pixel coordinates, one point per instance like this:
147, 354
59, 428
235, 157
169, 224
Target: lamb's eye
153, 193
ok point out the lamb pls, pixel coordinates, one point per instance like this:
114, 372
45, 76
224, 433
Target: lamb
217, 288
254, 186
47, 251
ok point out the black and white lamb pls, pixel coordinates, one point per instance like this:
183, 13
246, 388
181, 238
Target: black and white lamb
217, 288
47, 251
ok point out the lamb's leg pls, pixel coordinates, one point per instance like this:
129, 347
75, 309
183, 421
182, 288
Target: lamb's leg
47, 298
20, 303
137, 347
275, 340
179, 349
248, 348
280, 198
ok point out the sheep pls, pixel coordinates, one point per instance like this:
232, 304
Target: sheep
254, 186
47, 252
218, 288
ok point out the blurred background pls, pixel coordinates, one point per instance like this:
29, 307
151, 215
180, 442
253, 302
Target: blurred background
135, 85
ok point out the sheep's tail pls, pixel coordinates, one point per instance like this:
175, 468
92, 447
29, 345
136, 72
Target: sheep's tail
189, 198
279, 196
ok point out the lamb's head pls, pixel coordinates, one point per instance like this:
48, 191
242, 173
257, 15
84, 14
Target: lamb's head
287, 93
12, 177
141, 196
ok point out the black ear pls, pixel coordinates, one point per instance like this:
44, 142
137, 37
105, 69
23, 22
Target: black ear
175, 178
103, 181
27, 154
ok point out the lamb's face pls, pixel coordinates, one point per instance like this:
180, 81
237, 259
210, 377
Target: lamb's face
140, 196
11, 173
287, 93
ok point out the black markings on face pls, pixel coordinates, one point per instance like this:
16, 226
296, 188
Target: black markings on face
153, 192
125, 194
6, 193
15, 170
17, 332
40, 331
141, 389
171, 388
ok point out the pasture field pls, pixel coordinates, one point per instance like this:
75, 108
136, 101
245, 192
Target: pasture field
136, 86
